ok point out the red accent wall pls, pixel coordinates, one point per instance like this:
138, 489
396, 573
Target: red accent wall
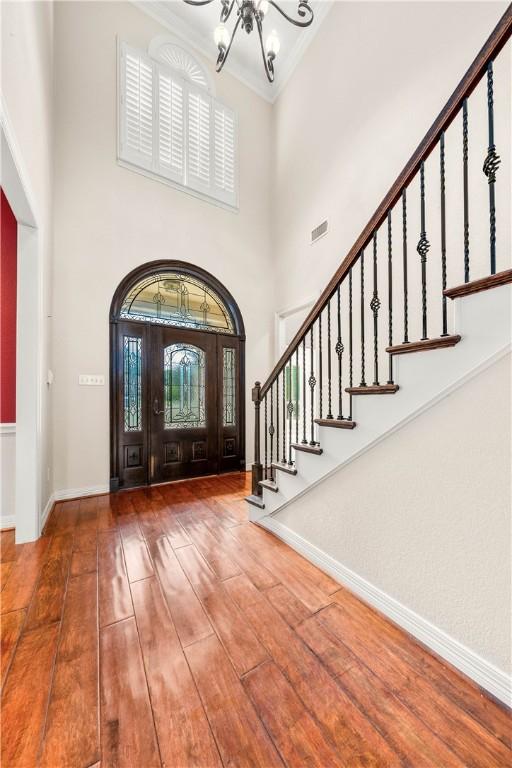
8, 266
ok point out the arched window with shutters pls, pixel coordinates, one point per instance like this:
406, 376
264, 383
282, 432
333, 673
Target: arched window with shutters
172, 126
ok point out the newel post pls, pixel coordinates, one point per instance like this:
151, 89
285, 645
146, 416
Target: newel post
257, 470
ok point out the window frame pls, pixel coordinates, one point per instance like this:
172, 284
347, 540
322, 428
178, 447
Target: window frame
125, 156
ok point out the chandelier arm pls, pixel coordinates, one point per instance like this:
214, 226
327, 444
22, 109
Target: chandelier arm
226, 10
223, 53
304, 9
267, 61
198, 2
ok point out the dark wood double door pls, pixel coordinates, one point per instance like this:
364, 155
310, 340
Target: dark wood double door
178, 409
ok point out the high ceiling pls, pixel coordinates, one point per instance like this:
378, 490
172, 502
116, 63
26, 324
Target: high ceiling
195, 25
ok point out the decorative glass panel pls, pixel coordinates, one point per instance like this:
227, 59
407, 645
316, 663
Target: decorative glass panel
292, 388
174, 299
228, 387
132, 363
184, 387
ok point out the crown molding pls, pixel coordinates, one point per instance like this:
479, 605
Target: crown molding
160, 12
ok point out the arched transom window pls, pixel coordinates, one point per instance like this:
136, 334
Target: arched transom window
170, 298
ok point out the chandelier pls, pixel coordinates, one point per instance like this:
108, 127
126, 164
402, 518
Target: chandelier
250, 14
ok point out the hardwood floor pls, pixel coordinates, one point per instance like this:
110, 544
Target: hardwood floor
158, 627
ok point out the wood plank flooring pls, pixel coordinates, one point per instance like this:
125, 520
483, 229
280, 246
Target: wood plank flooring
159, 627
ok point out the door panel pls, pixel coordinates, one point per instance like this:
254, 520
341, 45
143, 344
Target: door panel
184, 413
178, 406
132, 418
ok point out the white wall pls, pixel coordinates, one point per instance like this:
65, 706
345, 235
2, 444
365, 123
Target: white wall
109, 219
27, 106
425, 515
363, 96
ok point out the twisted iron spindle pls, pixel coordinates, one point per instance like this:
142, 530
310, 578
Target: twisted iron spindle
404, 251
320, 372
278, 424
491, 165
266, 436
312, 382
339, 352
284, 417
363, 382
390, 296
443, 232
296, 395
465, 184
304, 438
271, 429
375, 306
329, 383
423, 248
350, 374
290, 411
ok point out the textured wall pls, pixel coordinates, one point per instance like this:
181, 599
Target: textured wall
425, 515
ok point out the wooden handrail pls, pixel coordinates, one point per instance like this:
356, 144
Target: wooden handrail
491, 48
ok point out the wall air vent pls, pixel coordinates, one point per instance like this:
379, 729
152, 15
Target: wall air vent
319, 231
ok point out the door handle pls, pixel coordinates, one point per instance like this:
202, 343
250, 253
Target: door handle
155, 407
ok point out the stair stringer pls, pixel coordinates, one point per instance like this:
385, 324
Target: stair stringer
484, 322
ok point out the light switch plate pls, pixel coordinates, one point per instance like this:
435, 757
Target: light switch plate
91, 380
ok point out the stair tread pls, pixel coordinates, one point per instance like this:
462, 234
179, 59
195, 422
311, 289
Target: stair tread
483, 284
424, 345
256, 501
336, 423
270, 485
306, 448
288, 468
374, 389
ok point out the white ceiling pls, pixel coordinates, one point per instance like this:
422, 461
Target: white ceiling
195, 26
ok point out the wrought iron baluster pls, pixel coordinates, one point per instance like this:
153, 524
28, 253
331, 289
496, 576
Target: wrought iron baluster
329, 370
375, 306
296, 395
339, 352
363, 382
423, 248
266, 437
390, 296
290, 410
491, 165
350, 375
443, 231
304, 438
284, 417
465, 184
271, 429
278, 422
320, 376
312, 382
404, 251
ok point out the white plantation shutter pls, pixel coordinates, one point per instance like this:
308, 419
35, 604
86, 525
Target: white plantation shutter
224, 153
137, 107
171, 131
175, 130
199, 141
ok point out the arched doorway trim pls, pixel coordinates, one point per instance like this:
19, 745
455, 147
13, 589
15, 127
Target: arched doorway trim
156, 303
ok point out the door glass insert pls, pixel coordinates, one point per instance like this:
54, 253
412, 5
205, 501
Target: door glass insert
169, 298
132, 396
228, 386
184, 387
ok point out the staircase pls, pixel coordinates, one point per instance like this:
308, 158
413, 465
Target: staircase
370, 332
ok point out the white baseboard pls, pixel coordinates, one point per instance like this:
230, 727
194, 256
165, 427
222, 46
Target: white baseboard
6, 521
46, 511
482, 672
77, 493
